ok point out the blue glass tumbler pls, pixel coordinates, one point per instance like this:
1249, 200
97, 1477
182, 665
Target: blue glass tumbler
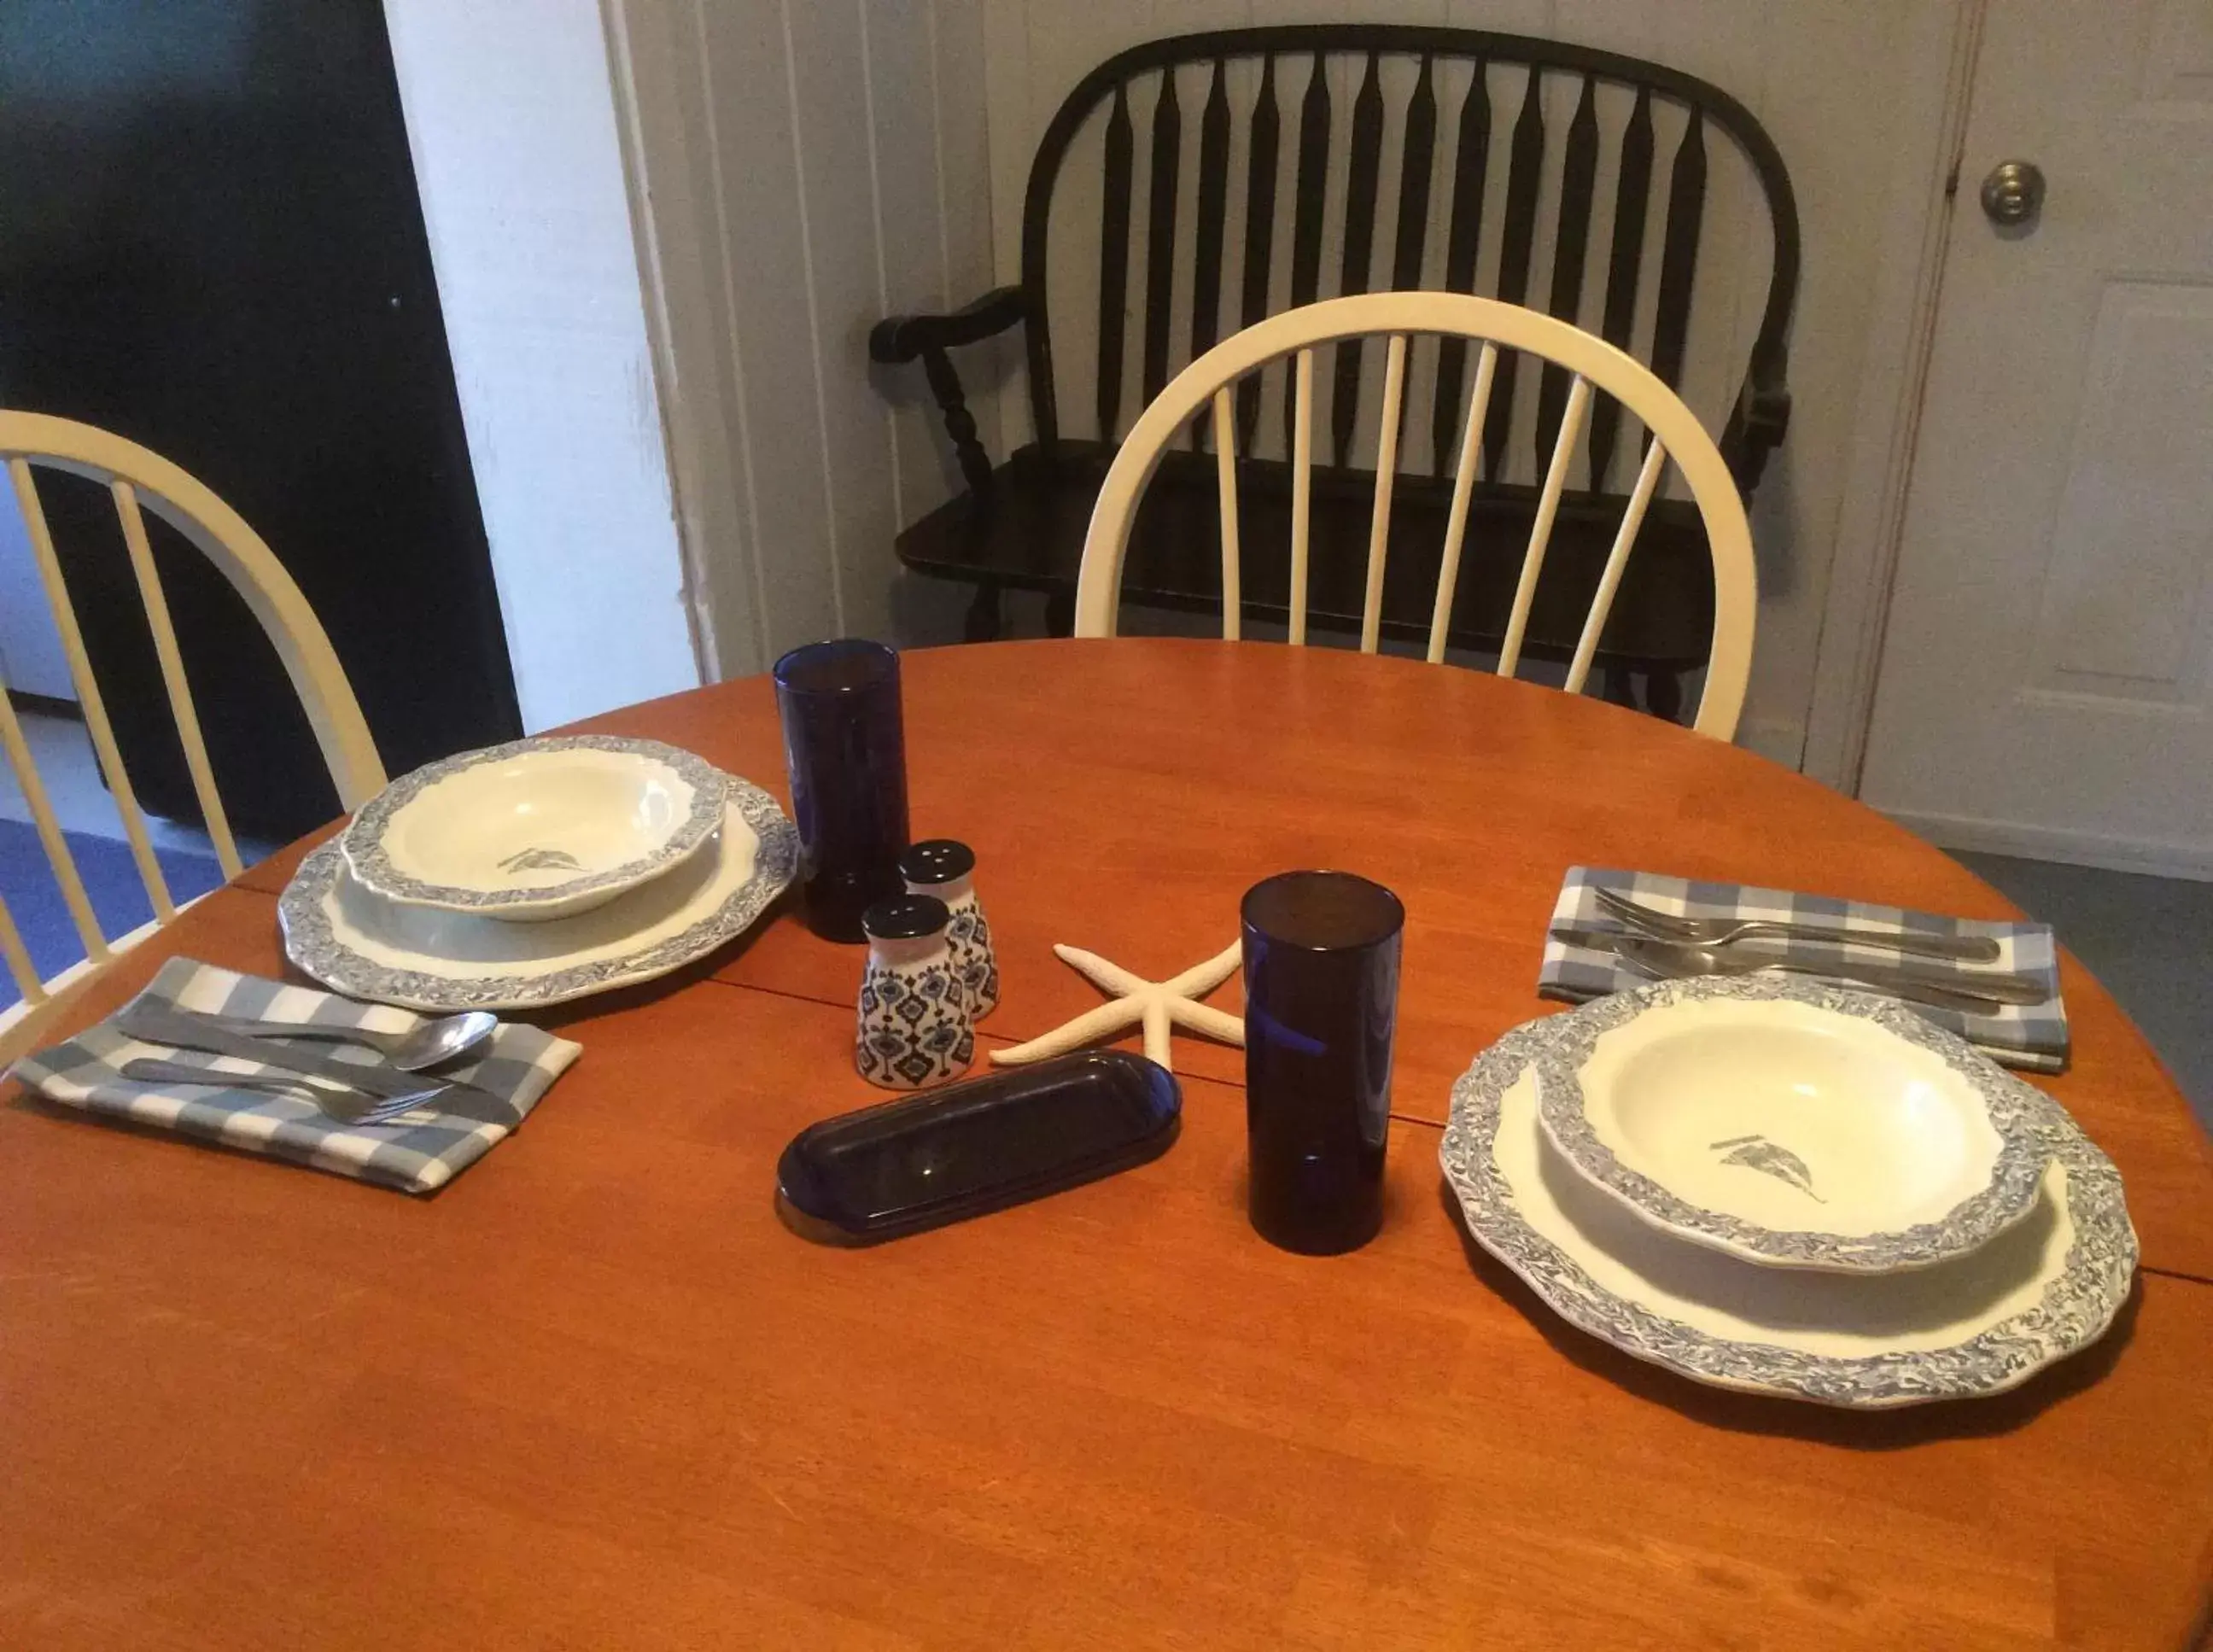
844, 746
1321, 997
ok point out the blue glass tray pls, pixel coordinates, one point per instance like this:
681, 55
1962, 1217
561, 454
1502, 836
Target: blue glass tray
944, 1156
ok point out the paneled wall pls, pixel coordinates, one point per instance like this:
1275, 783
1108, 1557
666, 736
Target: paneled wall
807, 167
800, 169
1850, 90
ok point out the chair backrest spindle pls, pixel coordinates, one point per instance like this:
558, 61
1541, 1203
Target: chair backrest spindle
1462, 237
1617, 560
1302, 488
1361, 180
89, 700
1259, 236
1113, 259
1225, 472
1470, 457
172, 676
1541, 531
49, 831
1623, 263
1212, 213
1386, 468
33, 991
1525, 168
1160, 233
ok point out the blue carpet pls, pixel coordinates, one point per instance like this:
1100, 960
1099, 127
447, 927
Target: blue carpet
111, 878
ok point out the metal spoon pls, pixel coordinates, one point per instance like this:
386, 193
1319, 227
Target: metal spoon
431, 1044
1672, 960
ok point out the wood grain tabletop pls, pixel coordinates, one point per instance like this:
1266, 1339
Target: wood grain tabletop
595, 1393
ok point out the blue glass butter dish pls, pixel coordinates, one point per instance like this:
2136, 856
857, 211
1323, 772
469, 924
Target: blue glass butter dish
949, 1154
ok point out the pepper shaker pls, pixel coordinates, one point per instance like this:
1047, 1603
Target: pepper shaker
914, 1027
946, 870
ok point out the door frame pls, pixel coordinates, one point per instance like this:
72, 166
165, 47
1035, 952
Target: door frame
1855, 611
655, 68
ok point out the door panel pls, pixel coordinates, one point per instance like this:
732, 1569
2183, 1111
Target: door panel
2130, 545
2045, 685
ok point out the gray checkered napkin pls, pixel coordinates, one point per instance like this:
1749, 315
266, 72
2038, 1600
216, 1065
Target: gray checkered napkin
416, 1158
2033, 1036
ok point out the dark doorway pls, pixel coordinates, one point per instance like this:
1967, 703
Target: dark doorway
211, 243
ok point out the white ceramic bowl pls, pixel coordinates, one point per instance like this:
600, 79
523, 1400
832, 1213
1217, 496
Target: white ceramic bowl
1830, 1131
535, 829
2048, 1287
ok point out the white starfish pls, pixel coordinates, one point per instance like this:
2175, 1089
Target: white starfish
1152, 1004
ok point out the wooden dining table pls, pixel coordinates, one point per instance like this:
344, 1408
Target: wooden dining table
596, 1394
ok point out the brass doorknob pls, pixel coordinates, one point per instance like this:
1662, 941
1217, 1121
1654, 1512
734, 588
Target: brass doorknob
2014, 192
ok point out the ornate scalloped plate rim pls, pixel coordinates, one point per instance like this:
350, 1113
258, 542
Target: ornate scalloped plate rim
363, 841
310, 942
2099, 1268
2007, 1197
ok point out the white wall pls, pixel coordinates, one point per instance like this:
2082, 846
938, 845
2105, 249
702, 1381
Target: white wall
1851, 91
806, 166
511, 119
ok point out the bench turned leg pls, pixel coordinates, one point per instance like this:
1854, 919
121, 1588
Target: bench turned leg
1663, 695
984, 623
1060, 613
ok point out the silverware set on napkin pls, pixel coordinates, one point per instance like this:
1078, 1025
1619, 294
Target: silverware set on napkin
1667, 947
385, 1090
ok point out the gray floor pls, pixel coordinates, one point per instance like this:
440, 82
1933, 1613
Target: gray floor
2149, 939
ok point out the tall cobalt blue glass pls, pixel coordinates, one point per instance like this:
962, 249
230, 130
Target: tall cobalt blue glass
844, 746
1321, 997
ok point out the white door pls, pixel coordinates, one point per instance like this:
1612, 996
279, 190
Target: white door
2047, 684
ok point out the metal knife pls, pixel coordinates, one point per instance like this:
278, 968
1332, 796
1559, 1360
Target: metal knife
153, 1022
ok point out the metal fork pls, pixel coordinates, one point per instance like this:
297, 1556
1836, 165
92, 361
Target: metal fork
342, 1102
1720, 931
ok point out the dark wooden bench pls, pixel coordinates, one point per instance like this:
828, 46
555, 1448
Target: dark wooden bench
1020, 523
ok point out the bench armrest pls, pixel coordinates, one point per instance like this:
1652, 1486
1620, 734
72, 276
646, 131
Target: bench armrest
1756, 426
901, 338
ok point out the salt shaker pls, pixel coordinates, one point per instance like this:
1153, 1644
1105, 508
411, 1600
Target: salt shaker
914, 1026
947, 869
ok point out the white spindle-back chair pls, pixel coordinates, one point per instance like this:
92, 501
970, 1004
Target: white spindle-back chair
137, 478
1676, 434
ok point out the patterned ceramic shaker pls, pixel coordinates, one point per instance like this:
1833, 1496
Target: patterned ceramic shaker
947, 869
914, 1027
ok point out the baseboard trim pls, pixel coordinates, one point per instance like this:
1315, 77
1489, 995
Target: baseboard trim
2150, 855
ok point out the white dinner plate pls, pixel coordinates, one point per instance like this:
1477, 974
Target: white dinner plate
1791, 1123
535, 829
355, 941
2048, 1287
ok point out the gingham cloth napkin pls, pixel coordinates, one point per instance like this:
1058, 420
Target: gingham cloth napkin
2033, 1036
416, 1158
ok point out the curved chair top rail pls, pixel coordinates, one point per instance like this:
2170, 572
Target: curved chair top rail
1596, 364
